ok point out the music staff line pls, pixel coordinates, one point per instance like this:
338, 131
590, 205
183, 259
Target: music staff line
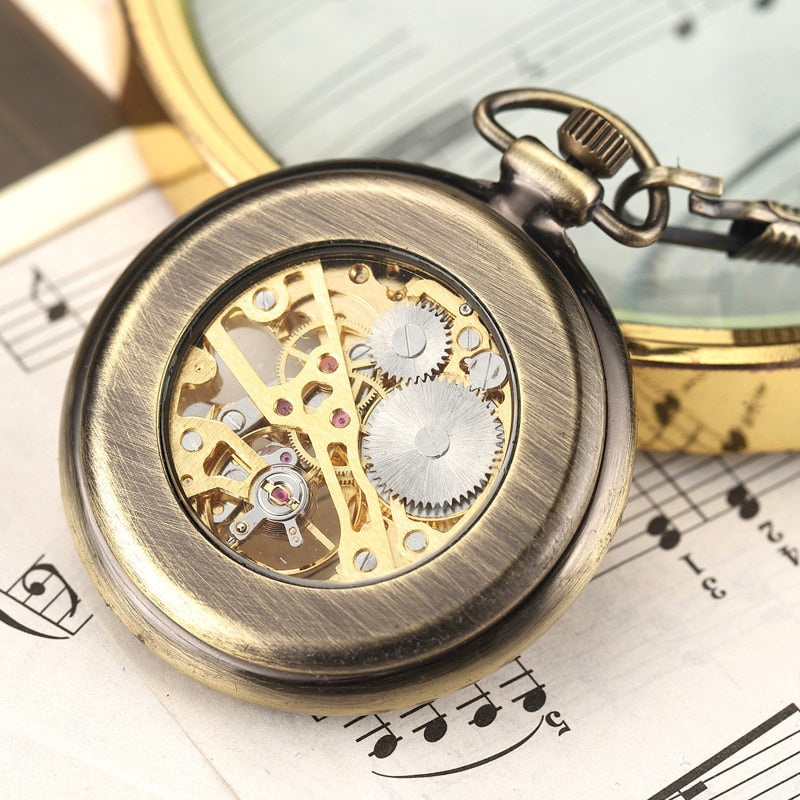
45, 325
763, 750
563, 58
739, 486
471, 709
762, 791
680, 429
755, 772
532, 60
734, 479
669, 476
42, 603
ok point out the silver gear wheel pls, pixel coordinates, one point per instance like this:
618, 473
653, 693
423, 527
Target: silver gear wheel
410, 341
433, 444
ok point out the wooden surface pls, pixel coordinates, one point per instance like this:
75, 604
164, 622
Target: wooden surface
48, 107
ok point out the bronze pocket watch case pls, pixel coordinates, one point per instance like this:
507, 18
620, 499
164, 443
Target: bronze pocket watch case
352, 435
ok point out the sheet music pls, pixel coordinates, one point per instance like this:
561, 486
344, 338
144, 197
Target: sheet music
675, 675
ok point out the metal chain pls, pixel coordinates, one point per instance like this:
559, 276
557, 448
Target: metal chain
591, 138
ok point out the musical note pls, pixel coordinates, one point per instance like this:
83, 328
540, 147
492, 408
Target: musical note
529, 68
739, 497
44, 323
47, 297
459, 722
666, 409
736, 441
685, 27
533, 699
433, 729
385, 744
41, 326
486, 713
41, 603
671, 425
675, 496
668, 534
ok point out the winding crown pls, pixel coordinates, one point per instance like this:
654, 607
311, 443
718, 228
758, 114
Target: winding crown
594, 142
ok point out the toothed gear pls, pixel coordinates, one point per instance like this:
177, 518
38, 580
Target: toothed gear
410, 341
433, 444
350, 332
367, 391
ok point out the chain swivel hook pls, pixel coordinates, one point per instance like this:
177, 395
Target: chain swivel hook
586, 150
598, 143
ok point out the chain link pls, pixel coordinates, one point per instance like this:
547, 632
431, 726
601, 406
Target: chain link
761, 231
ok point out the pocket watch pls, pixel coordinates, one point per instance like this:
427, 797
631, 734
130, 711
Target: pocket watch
352, 434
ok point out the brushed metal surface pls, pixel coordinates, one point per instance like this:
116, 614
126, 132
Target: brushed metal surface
420, 633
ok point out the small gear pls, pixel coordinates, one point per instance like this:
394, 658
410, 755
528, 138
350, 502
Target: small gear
309, 461
410, 341
433, 444
367, 391
305, 337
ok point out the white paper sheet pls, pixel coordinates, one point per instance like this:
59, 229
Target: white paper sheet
675, 675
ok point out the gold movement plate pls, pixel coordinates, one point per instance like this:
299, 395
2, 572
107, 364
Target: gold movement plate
701, 384
342, 418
